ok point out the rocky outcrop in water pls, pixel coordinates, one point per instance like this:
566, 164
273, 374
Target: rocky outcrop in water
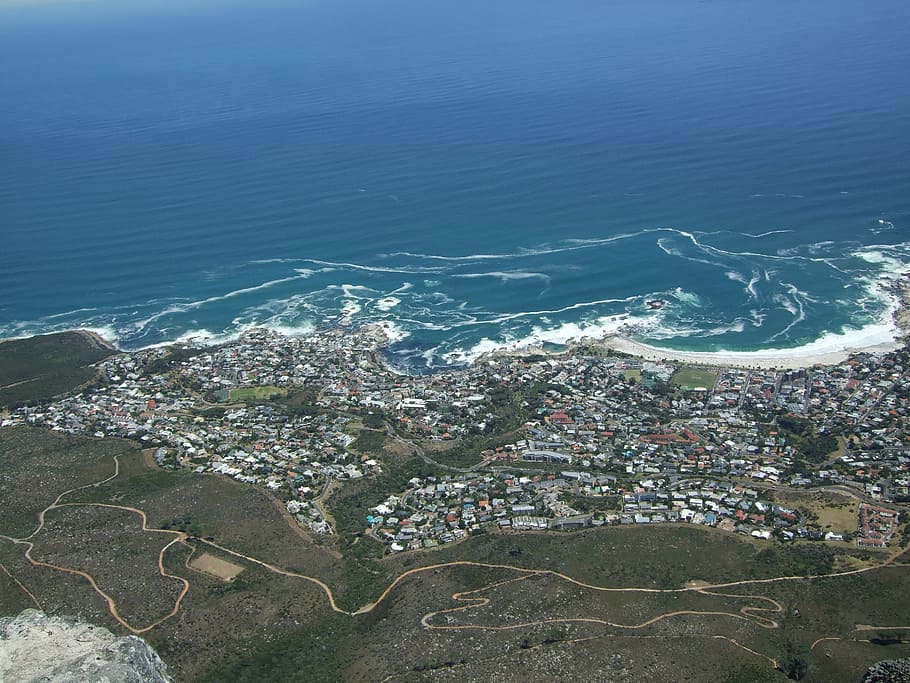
36, 647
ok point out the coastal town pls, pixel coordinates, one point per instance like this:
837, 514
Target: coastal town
521, 441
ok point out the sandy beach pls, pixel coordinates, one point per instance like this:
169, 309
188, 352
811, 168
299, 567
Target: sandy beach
824, 352
782, 359
805, 357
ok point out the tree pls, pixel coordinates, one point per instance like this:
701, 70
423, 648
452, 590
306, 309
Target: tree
796, 661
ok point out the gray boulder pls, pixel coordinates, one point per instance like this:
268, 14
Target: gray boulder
36, 647
888, 671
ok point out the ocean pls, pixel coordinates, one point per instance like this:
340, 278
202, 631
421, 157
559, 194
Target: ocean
470, 175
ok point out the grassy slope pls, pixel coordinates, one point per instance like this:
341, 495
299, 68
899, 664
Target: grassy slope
40, 368
36, 465
689, 378
267, 627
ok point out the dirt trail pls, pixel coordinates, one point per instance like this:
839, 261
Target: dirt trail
21, 586
750, 612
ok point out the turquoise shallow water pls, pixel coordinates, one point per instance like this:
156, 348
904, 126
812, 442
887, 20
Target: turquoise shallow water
471, 176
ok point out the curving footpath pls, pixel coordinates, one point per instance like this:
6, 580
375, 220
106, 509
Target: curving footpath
469, 599
179, 536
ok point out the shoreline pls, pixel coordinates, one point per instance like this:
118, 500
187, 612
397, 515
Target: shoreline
786, 360
780, 359
97, 340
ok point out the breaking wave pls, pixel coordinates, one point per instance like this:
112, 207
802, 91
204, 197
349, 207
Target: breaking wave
690, 291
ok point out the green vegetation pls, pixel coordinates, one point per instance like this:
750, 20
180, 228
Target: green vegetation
308, 654
689, 378
174, 357
587, 504
796, 661
369, 441
799, 559
374, 420
749, 673
821, 509
812, 445
510, 410
36, 465
300, 402
465, 452
39, 368
349, 507
256, 393
264, 626
591, 350
71, 538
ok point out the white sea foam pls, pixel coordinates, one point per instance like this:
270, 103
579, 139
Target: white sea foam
249, 290
756, 278
309, 272
866, 269
590, 243
206, 337
749, 284
301, 330
506, 317
786, 304
663, 244
542, 250
892, 259
875, 335
376, 269
387, 303
782, 231
67, 314
456, 259
558, 335
795, 305
687, 298
484, 346
175, 308
429, 356
349, 291
350, 309
508, 276
392, 330
106, 332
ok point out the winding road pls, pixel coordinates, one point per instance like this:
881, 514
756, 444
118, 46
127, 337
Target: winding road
761, 616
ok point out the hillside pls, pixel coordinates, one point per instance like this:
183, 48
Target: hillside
39, 368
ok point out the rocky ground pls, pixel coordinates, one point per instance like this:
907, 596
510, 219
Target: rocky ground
36, 647
888, 671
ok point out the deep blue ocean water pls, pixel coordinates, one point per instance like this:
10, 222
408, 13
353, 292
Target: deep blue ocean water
470, 174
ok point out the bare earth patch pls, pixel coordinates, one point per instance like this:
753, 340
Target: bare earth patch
215, 566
